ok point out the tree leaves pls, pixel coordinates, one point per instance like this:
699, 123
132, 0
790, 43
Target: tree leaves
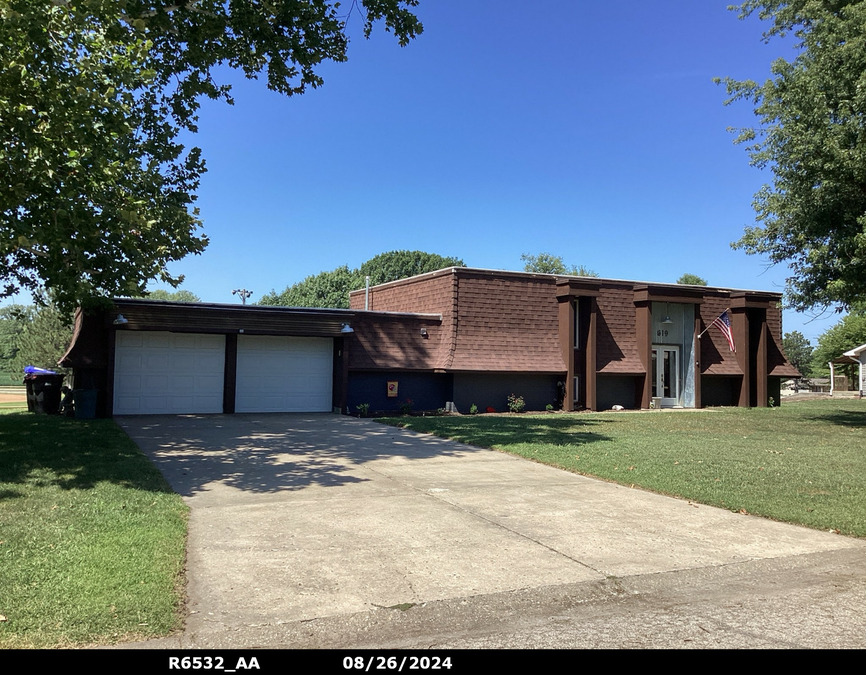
812, 136
97, 195
692, 280
331, 289
547, 263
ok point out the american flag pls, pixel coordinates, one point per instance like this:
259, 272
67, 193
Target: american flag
723, 323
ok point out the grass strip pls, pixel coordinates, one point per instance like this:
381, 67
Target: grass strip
91, 536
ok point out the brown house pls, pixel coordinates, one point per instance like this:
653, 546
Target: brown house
460, 335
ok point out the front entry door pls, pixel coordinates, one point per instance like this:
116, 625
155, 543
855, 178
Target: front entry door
666, 374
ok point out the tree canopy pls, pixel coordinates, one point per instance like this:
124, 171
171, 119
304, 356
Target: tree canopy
799, 351
331, 289
547, 263
812, 136
182, 295
395, 265
96, 191
13, 321
33, 335
325, 289
850, 332
692, 280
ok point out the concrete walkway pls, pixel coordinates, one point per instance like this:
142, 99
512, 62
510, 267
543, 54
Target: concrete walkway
330, 531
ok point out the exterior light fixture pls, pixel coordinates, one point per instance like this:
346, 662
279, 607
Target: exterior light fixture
244, 293
423, 332
667, 321
121, 320
347, 329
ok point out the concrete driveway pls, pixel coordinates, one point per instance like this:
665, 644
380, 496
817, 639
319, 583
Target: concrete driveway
330, 531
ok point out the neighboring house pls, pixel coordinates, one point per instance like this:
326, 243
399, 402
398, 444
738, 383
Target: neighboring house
461, 335
856, 355
819, 385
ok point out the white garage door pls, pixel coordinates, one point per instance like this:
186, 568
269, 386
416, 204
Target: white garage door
284, 374
168, 373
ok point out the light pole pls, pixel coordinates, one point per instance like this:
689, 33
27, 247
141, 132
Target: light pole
244, 293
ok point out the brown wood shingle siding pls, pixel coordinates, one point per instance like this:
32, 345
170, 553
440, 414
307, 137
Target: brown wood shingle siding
433, 293
777, 360
386, 342
617, 332
506, 324
716, 356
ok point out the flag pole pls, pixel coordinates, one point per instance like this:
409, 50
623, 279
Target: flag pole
727, 309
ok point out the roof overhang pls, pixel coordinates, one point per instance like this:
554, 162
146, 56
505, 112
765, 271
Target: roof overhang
855, 353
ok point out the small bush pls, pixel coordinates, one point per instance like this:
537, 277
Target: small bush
516, 404
549, 407
473, 409
363, 409
406, 408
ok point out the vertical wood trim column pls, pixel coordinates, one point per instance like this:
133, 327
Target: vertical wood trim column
566, 343
697, 364
344, 376
761, 365
740, 327
591, 346
230, 374
643, 327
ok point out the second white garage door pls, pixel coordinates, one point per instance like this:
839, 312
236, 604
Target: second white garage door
284, 374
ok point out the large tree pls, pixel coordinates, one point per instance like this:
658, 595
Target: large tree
331, 289
812, 136
43, 335
96, 191
325, 289
181, 295
395, 265
547, 263
799, 350
850, 332
688, 279
14, 320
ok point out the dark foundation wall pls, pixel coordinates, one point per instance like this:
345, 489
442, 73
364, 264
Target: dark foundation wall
428, 391
492, 390
719, 390
617, 390
774, 389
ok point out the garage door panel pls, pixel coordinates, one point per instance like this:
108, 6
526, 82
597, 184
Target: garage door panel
284, 374
168, 373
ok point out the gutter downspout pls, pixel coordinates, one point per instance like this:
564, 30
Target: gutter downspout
367, 292
832, 377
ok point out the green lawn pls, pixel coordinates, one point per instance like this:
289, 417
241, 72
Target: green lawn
11, 379
804, 462
91, 536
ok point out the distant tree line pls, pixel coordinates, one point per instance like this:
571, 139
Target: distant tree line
811, 361
331, 289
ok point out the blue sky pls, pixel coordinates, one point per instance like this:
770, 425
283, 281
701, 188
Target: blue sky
588, 130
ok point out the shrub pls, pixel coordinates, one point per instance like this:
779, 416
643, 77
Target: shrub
406, 408
363, 409
473, 409
516, 404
